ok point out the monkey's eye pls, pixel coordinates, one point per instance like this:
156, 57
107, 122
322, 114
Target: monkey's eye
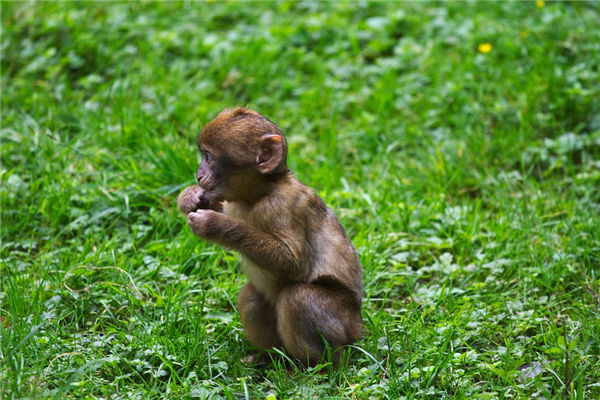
206, 155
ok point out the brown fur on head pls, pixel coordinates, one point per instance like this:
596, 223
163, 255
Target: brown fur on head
241, 151
239, 135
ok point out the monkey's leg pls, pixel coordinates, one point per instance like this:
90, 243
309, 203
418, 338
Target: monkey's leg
258, 317
309, 314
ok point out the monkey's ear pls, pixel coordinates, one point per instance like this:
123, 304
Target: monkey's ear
271, 153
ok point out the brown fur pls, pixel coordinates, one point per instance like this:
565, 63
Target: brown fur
305, 280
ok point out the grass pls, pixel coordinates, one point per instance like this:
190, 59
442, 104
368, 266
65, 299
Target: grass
468, 182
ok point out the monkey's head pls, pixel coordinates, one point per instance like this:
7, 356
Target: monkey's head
240, 150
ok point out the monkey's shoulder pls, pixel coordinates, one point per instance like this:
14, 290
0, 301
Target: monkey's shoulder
300, 198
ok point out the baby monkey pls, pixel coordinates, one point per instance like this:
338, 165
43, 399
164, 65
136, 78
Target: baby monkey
305, 279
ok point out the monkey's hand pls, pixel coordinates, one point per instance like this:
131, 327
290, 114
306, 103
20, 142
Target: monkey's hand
203, 222
261, 247
192, 199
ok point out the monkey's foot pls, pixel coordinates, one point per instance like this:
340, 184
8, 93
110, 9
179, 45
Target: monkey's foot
256, 358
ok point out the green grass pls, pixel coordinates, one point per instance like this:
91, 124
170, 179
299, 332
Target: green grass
468, 182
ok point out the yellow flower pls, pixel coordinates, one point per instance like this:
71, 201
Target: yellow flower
484, 48
540, 3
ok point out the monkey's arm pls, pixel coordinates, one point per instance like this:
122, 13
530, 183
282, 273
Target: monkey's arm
282, 257
191, 199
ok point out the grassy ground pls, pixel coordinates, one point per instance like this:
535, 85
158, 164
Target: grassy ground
458, 143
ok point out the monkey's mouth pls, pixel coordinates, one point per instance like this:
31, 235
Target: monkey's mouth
212, 194
207, 186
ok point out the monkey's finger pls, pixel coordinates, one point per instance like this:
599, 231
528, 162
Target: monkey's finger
192, 216
197, 215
